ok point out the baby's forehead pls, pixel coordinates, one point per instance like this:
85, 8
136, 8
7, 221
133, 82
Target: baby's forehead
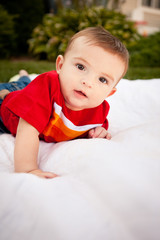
85, 45
80, 41
85, 40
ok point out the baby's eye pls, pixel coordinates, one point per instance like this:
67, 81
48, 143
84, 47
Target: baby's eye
103, 80
80, 66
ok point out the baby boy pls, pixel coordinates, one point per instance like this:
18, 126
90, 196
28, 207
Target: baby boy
67, 103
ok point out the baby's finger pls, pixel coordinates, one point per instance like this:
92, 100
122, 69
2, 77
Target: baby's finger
99, 132
42, 174
49, 175
108, 136
91, 133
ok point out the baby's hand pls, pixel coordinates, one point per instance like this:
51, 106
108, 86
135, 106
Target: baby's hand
42, 174
99, 132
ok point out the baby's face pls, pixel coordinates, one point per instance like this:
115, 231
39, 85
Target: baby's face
88, 75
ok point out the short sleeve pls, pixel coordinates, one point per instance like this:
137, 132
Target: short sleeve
34, 102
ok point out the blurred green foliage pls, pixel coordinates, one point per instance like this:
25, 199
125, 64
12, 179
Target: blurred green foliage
7, 33
27, 15
146, 52
51, 37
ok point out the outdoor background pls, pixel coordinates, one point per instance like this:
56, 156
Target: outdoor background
34, 32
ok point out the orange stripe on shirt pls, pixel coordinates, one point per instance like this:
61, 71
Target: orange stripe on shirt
58, 130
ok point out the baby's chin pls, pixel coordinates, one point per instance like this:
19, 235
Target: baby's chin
78, 107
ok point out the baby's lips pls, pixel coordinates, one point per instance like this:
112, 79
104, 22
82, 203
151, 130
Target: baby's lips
81, 92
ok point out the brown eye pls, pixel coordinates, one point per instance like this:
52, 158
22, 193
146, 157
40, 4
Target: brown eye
103, 80
80, 66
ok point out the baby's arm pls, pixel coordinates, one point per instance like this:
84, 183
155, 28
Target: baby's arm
99, 132
26, 150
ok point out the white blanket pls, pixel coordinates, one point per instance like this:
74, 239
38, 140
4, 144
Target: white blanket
107, 190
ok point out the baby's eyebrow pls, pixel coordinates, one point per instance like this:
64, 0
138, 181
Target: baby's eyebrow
81, 59
108, 76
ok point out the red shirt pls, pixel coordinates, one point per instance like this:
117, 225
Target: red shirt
42, 105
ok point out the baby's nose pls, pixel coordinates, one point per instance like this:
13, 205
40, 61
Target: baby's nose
87, 82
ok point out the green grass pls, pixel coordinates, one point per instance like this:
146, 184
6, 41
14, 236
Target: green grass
142, 73
10, 68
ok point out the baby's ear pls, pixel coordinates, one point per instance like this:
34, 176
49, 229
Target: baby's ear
112, 91
59, 63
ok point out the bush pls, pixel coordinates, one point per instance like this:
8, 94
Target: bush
51, 37
146, 52
7, 33
28, 15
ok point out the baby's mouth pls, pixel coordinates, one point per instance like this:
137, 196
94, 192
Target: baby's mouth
80, 93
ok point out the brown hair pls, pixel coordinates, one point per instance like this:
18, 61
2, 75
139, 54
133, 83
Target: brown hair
98, 36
